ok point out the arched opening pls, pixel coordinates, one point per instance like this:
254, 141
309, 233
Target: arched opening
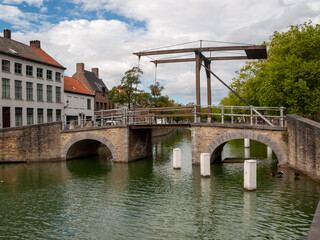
215, 148
89, 144
87, 148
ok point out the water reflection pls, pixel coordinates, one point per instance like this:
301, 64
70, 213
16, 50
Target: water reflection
96, 199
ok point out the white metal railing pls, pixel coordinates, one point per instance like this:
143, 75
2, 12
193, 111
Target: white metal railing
272, 116
246, 114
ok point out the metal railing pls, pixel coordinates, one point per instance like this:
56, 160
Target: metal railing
272, 116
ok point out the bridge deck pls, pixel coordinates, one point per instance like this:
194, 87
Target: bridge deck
220, 125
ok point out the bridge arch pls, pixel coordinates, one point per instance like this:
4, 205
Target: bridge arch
84, 139
216, 146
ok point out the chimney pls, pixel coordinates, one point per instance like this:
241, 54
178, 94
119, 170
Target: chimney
35, 44
95, 71
7, 33
80, 67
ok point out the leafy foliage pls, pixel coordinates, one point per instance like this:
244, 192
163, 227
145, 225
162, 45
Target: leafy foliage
128, 93
290, 77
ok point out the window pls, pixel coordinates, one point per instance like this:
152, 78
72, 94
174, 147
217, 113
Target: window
49, 74
5, 88
58, 94
58, 77
29, 91
101, 106
58, 115
5, 65
39, 73
18, 68
40, 115
49, 115
88, 103
97, 106
18, 116
105, 106
18, 89
39, 92
29, 116
49, 93
29, 71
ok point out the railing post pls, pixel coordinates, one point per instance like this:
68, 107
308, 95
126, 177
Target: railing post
222, 114
124, 115
281, 116
195, 113
101, 117
231, 114
251, 117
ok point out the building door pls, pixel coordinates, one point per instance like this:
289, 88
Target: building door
5, 117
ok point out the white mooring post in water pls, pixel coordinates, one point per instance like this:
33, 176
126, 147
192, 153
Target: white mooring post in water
177, 158
205, 164
247, 153
246, 142
269, 152
250, 175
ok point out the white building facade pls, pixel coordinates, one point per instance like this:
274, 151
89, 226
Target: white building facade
79, 108
79, 102
31, 90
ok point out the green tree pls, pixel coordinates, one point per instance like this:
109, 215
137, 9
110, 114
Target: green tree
127, 92
290, 77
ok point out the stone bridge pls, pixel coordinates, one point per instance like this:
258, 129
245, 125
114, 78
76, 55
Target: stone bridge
128, 143
211, 138
297, 145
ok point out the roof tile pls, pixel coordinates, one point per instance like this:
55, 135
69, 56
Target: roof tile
74, 85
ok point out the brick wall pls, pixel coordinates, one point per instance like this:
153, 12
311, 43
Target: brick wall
30, 143
209, 139
304, 145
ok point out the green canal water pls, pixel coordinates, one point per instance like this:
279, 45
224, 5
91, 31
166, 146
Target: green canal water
94, 199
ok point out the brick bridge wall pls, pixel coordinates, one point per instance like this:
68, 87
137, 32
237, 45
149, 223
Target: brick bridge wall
304, 145
30, 143
125, 144
211, 139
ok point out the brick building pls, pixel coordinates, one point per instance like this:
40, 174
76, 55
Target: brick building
31, 84
95, 85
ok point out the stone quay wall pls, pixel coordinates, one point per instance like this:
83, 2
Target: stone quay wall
30, 143
304, 145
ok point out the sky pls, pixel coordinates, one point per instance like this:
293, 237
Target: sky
105, 33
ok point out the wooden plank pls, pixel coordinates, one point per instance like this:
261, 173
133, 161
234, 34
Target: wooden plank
207, 49
193, 59
168, 115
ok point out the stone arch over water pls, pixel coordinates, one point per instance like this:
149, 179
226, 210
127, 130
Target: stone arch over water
216, 146
86, 144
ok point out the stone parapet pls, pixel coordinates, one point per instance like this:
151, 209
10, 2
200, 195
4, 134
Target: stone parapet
304, 145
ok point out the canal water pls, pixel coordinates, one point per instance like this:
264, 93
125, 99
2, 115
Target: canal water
95, 199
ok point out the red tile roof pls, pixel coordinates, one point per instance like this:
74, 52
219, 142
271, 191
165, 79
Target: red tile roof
74, 85
21, 50
45, 56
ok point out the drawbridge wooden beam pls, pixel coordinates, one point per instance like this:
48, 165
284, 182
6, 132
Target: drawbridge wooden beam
193, 59
252, 52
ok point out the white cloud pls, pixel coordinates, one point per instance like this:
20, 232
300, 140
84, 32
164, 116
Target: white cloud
43, 9
36, 3
13, 15
109, 44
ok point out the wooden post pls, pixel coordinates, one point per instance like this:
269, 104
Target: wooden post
208, 66
198, 96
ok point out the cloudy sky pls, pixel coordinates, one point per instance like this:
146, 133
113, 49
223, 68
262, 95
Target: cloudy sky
105, 33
